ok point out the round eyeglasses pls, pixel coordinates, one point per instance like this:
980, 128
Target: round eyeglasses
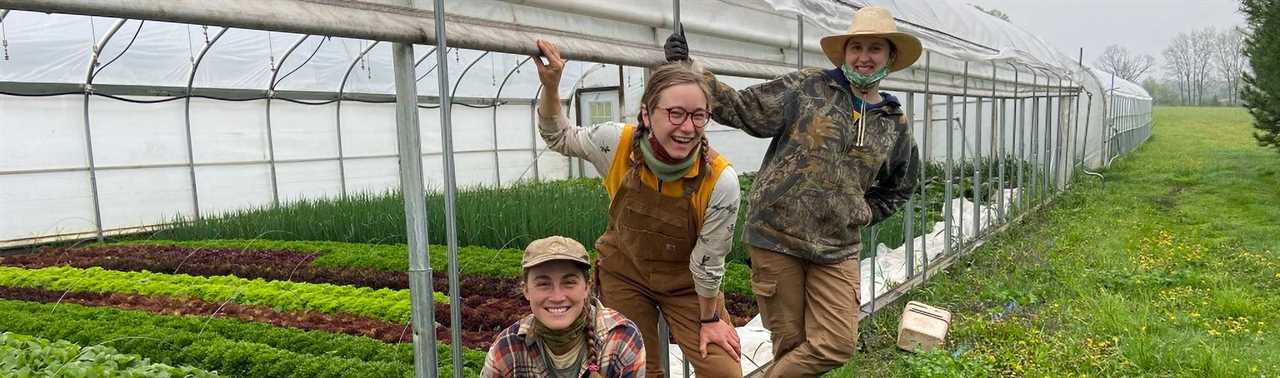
677, 116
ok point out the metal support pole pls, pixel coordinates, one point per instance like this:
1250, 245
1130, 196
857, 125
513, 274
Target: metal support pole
1110, 123
271, 148
1084, 141
925, 155
622, 95
996, 134
964, 142
977, 170
191, 154
1020, 135
1047, 124
1075, 132
88, 133
1060, 136
1046, 146
415, 208
497, 162
1035, 138
450, 191
1042, 143
1000, 163
533, 140
908, 229
949, 201
342, 164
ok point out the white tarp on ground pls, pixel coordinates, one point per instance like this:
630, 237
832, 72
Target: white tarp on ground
890, 270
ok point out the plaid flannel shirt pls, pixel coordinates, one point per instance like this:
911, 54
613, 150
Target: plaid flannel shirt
518, 353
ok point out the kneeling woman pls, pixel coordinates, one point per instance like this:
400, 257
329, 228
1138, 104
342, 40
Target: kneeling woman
673, 205
569, 333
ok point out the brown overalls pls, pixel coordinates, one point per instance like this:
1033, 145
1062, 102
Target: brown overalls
644, 266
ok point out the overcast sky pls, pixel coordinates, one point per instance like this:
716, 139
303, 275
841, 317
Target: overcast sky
1145, 26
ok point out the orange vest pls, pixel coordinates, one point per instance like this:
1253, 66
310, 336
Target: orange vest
701, 197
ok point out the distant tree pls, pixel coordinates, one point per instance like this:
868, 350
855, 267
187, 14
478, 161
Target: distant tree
1261, 92
1117, 60
1179, 61
1229, 58
994, 12
1202, 46
1189, 58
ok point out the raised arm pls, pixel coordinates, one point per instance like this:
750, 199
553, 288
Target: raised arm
760, 110
594, 144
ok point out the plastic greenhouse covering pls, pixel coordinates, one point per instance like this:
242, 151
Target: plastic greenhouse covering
138, 122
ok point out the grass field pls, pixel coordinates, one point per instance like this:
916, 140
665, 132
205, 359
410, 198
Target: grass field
1171, 269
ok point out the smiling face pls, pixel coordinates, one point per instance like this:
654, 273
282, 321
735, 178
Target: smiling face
686, 103
866, 55
557, 292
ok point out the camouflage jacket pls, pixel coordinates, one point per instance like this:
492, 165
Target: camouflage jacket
817, 187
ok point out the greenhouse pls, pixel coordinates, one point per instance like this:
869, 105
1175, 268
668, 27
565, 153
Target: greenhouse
191, 152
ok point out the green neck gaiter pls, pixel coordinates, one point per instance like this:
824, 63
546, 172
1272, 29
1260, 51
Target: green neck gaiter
562, 340
665, 171
860, 81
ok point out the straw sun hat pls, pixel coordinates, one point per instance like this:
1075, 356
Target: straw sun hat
874, 22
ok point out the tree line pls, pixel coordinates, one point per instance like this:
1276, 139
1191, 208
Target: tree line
1201, 67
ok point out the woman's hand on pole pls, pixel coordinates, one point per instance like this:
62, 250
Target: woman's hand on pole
549, 73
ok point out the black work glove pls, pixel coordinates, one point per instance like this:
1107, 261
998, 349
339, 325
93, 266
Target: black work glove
676, 48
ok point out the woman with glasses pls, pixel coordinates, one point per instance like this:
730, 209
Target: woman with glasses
673, 205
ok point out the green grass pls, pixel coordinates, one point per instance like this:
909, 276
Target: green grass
1172, 269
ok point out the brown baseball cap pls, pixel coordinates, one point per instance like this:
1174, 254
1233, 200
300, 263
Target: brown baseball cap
554, 248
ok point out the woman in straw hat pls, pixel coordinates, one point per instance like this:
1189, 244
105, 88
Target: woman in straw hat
841, 158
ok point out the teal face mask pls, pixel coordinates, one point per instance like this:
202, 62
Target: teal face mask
861, 81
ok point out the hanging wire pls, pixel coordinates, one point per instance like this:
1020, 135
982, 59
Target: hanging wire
304, 62
126, 49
